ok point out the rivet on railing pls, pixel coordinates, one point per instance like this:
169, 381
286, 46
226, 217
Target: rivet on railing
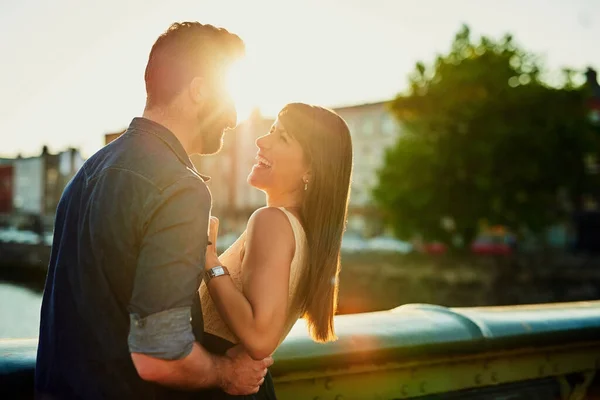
328, 383
494, 377
404, 390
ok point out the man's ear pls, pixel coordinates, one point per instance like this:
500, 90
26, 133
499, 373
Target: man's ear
197, 90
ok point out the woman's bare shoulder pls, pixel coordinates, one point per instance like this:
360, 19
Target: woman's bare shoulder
271, 225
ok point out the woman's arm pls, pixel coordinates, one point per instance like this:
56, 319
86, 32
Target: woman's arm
257, 316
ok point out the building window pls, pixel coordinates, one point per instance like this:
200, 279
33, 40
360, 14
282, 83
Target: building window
378, 156
52, 176
368, 127
388, 125
370, 155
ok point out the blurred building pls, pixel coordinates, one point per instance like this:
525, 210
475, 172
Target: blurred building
29, 184
594, 101
6, 185
586, 218
373, 129
38, 182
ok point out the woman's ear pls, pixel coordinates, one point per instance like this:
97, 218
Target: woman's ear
306, 177
306, 180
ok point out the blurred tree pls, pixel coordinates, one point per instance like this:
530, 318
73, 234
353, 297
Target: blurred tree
484, 139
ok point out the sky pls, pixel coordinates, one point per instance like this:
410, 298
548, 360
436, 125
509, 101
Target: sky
72, 70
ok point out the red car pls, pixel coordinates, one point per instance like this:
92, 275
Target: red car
434, 248
493, 245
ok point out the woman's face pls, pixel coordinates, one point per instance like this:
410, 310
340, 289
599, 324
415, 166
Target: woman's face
280, 166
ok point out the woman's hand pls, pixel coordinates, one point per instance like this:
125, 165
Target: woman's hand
212, 259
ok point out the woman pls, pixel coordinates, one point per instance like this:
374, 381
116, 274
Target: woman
286, 264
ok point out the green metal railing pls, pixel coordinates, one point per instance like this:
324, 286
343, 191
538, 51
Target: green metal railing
423, 350
549, 351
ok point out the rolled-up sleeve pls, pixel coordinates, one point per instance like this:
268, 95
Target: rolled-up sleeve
170, 264
165, 335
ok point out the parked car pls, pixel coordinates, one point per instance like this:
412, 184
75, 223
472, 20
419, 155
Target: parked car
492, 245
434, 248
386, 243
352, 242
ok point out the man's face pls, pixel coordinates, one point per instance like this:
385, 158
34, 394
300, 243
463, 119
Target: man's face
215, 114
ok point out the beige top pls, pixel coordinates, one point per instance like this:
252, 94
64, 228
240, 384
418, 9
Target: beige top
232, 259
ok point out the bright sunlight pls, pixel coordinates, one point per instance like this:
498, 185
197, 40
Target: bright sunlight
240, 90
256, 85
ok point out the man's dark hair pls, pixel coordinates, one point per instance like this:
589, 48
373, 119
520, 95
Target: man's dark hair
186, 50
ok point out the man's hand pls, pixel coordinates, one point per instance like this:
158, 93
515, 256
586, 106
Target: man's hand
212, 259
239, 374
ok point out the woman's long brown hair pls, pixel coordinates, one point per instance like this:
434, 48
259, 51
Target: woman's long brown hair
325, 140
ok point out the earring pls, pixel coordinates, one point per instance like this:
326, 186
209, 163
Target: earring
305, 185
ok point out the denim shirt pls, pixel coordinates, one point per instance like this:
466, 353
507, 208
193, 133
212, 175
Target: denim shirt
130, 237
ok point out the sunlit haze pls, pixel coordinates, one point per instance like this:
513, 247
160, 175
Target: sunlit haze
72, 71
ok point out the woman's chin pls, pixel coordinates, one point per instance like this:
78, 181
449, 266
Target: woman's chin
254, 181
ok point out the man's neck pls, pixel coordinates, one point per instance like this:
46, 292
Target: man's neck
177, 126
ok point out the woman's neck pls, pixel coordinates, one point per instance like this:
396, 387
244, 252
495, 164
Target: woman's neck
288, 201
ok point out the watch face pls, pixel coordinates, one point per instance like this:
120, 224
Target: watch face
218, 271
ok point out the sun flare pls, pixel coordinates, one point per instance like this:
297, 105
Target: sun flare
240, 90
255, 84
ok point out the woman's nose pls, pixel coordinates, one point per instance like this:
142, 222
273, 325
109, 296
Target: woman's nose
262, 142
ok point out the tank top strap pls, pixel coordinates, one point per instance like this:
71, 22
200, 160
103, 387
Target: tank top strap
296, 225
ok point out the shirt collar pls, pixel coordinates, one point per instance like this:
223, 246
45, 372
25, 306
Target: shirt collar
168, 138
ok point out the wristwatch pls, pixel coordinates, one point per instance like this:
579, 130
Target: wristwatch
214, 272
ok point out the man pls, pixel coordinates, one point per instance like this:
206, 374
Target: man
130, 238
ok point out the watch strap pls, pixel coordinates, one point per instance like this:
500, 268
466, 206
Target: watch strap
215, 272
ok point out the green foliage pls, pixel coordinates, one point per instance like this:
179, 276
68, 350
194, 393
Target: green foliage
484, 138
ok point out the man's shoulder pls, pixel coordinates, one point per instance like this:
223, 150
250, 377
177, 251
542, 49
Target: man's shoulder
148, 159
